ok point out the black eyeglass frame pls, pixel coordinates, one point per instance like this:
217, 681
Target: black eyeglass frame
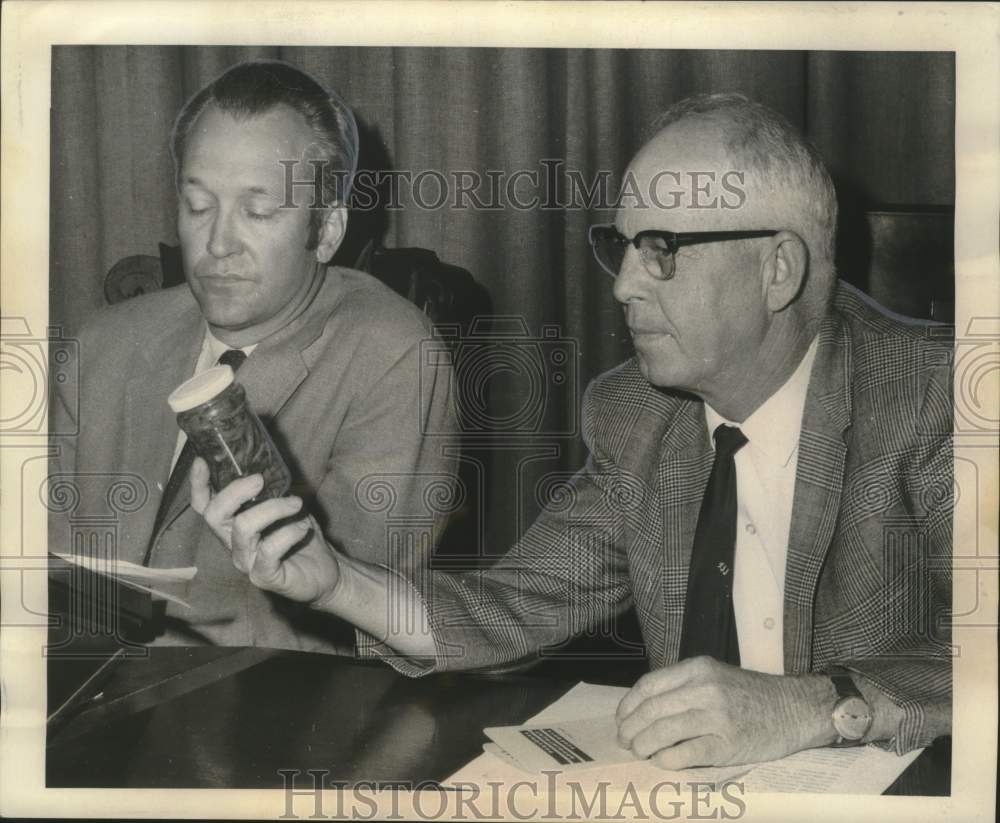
673, 240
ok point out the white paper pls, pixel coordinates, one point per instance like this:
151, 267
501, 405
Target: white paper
586, 712
862, 770
132, 571
571, 744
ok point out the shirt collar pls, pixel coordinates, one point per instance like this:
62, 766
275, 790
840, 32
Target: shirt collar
774, 427
215, 347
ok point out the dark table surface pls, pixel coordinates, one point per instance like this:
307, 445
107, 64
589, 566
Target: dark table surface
235, 718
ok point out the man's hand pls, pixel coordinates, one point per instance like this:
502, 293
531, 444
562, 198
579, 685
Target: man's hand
292, 559
701, 712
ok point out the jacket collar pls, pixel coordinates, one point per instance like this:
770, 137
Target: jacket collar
819, 483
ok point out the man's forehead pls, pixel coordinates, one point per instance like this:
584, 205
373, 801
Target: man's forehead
678, 177
252, 145
695, 139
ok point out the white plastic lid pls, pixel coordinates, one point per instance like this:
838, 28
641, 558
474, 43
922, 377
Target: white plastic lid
200, 389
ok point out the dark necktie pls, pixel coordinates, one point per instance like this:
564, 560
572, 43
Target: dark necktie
234, 359
709, 619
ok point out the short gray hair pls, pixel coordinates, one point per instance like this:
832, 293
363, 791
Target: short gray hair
785, 161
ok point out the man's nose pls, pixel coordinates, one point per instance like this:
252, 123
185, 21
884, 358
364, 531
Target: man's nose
632, 280
223, 240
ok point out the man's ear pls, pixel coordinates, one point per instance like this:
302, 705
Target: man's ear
785, 270
331, 233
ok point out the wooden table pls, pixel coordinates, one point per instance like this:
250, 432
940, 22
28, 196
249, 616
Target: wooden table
235, 718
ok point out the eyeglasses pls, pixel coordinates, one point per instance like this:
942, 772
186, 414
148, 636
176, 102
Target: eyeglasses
656, 248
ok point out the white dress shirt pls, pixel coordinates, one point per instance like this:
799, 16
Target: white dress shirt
765, 487
211, 350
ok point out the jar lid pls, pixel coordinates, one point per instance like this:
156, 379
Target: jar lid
200, 389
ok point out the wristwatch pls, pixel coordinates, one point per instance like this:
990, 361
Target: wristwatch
852, 716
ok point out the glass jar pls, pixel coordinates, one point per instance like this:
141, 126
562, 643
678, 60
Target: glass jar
213, 411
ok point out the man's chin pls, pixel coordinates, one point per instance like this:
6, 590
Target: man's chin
225, 316
659, 375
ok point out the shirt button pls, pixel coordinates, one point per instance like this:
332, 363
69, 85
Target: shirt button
769, 623
751, 528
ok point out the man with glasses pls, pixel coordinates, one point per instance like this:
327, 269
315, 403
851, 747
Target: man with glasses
769, 481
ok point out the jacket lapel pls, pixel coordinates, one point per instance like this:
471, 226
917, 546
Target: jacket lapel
819, 483
270, 376
166, 361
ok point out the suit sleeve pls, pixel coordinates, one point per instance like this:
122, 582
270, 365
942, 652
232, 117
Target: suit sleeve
390, 481
911, 664
567, 573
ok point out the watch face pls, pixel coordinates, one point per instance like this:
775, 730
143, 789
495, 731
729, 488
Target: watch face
851, 718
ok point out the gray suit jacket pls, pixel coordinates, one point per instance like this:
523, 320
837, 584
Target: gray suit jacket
345, 397
867, 581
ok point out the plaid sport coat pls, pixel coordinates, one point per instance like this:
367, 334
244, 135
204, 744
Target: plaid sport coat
868, 570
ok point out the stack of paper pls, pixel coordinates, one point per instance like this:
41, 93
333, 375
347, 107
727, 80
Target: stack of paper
576, 737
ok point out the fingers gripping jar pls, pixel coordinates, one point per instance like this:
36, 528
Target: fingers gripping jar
213, 411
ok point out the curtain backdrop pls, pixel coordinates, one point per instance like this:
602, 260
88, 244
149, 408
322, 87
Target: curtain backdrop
884, 122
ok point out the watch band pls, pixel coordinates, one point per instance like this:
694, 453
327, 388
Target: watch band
849, 698
843, 682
